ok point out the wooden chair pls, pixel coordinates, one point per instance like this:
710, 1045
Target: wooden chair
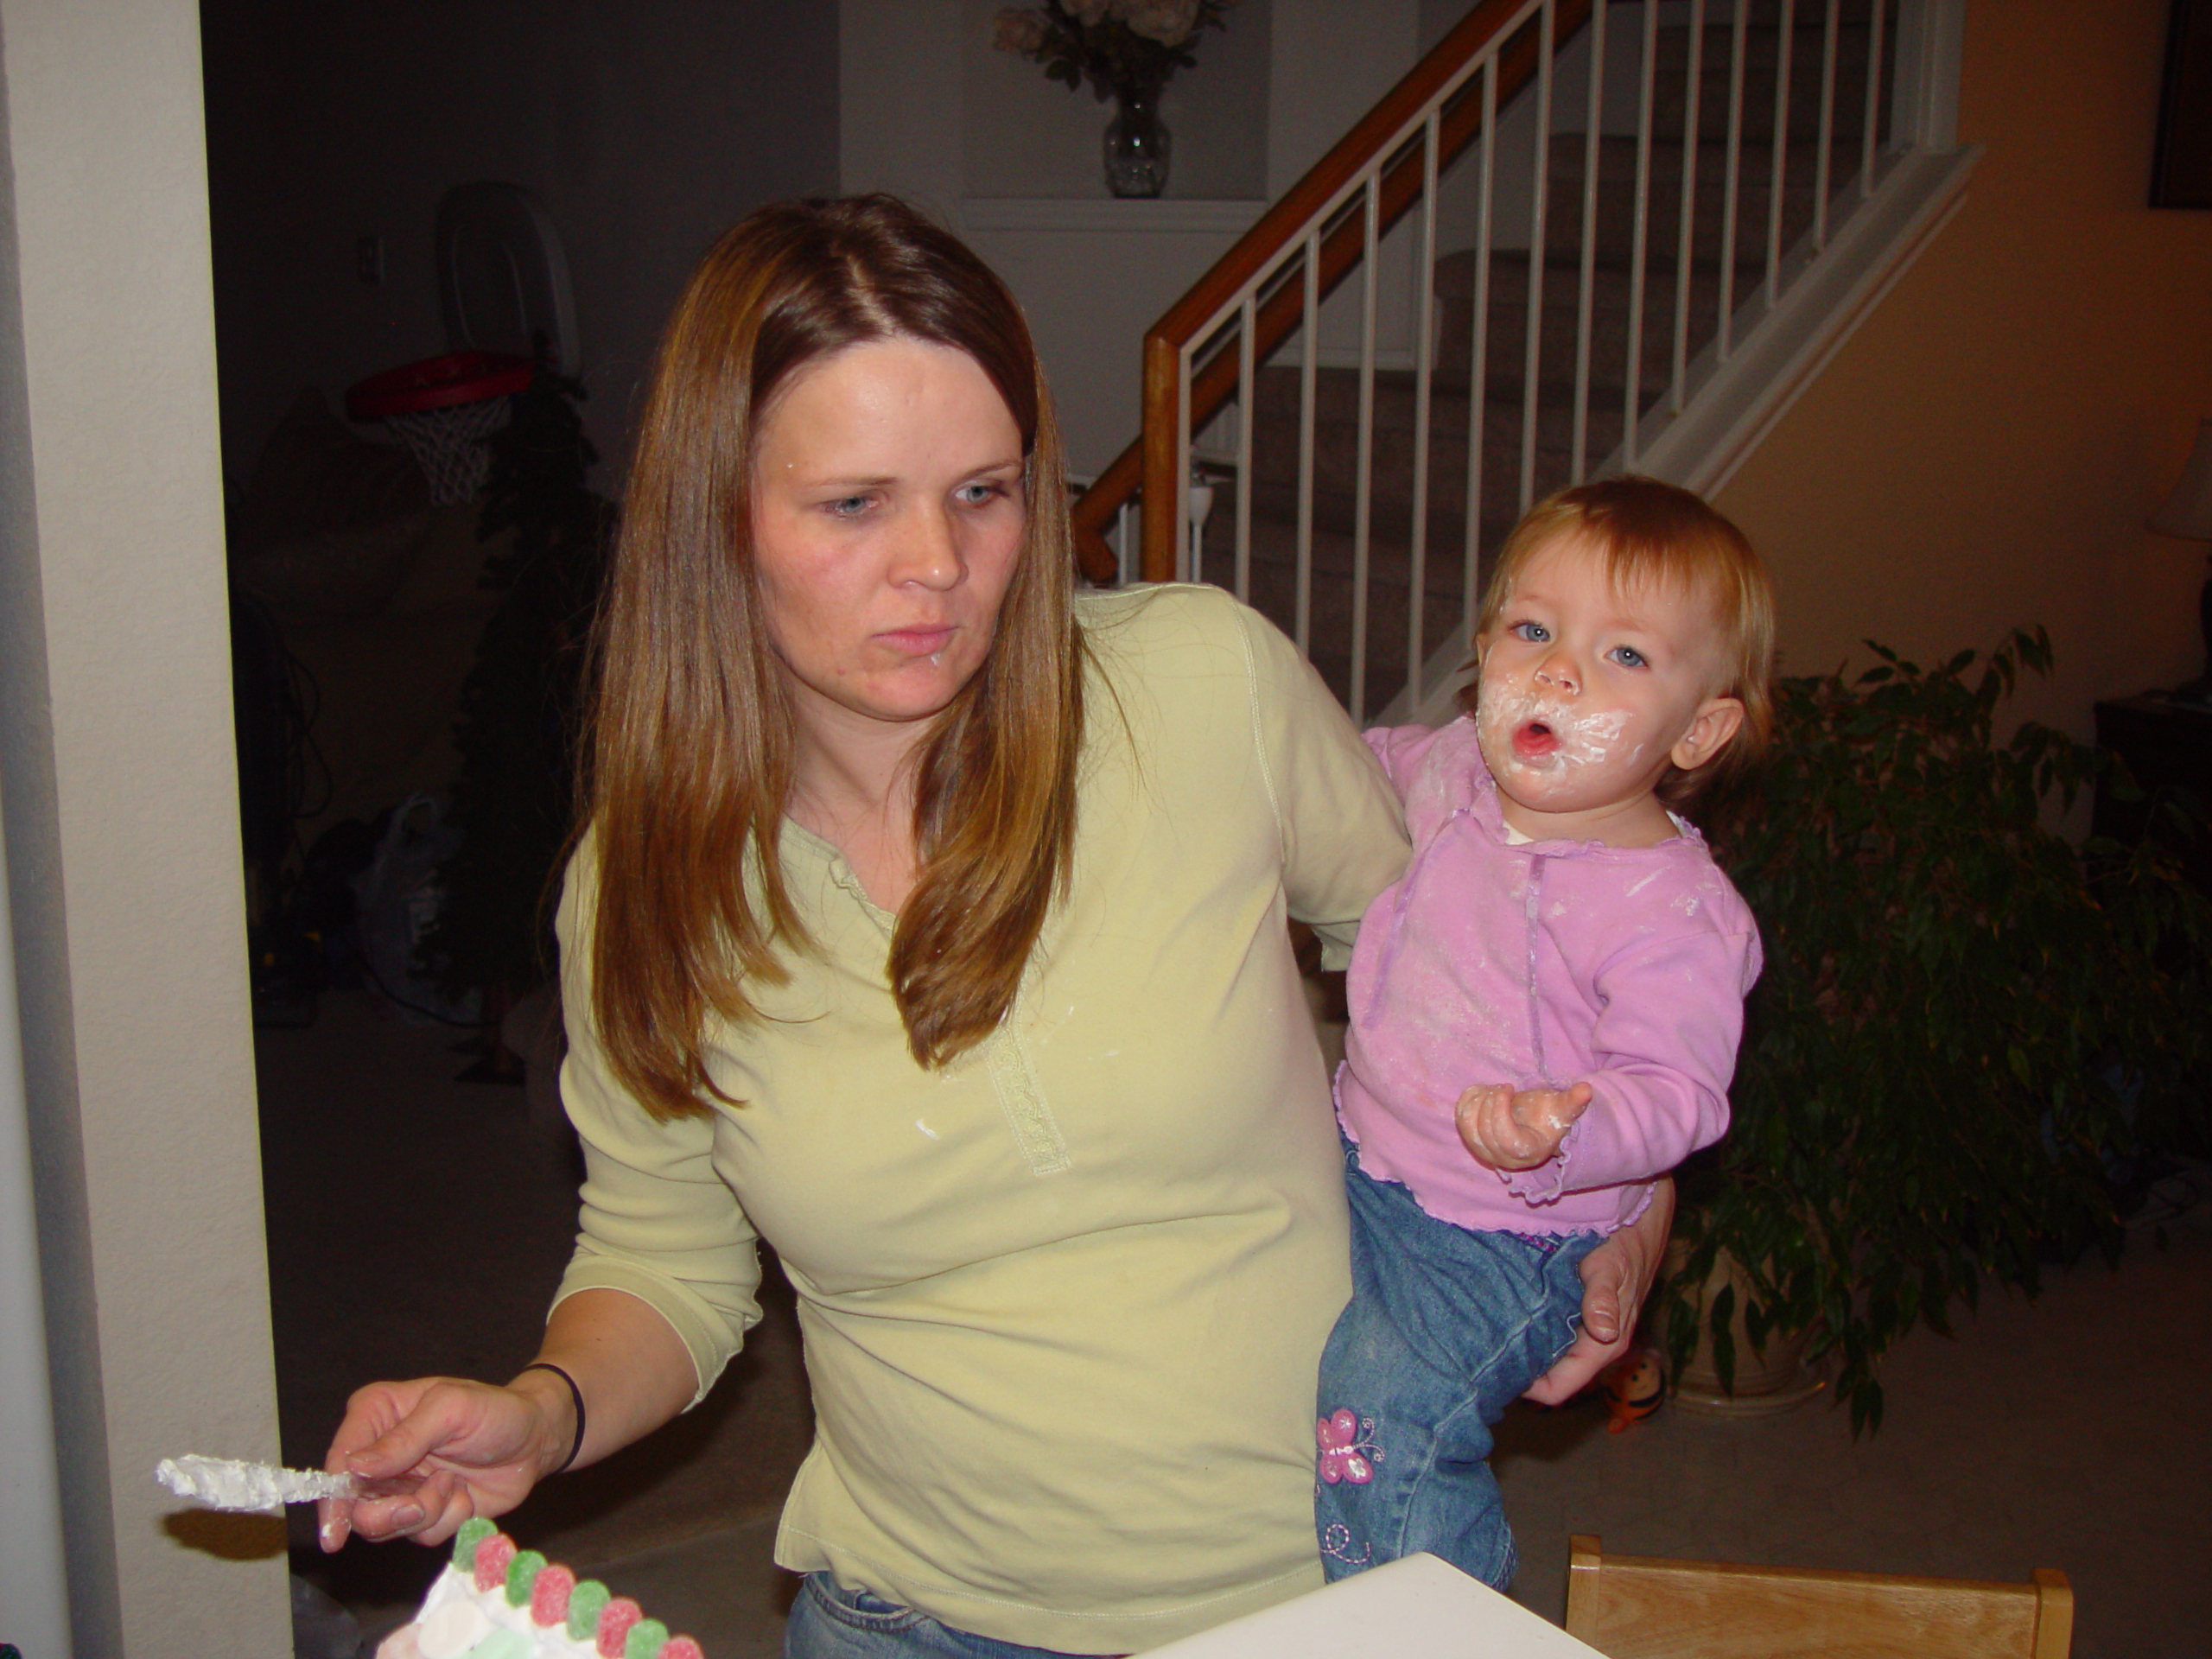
1632, 1607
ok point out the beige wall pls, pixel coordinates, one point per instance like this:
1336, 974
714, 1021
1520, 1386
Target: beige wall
918, 108
116, 774
1984, 450
1022, 136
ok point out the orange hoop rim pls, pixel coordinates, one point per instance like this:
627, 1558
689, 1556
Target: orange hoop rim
438, 383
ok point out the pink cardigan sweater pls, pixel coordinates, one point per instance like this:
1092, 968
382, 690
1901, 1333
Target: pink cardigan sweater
1538, 964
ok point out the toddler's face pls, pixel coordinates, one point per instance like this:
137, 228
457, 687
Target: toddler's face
1588, 692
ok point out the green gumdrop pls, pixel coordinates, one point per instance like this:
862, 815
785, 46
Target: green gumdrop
522, 1572
473, 1531
646, 1638
584, 1604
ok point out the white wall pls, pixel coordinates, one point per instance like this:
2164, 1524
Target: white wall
1092, 277
116, 776
644, 130
1023, 136
927, 112
1985, 451
899, 99
34, 1578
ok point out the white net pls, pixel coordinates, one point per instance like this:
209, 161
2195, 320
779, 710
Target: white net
448, 444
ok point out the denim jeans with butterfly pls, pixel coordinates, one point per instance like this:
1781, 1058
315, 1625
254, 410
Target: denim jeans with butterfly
1446, 1327
828, 1622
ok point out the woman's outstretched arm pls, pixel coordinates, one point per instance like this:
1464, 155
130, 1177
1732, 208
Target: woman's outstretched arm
1615, 1278
479, 1449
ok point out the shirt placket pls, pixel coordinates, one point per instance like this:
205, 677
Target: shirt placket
1014, 1079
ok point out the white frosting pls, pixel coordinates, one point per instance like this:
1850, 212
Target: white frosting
1586, 738
454, 1611
232, 1484
452, 1630
453, 1587
554, 1644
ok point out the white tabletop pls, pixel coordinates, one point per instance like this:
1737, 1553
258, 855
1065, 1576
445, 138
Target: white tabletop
1417, 1608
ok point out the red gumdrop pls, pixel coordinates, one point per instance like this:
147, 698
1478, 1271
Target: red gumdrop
615, 1622
548, 1596
491, 1557
682, 1647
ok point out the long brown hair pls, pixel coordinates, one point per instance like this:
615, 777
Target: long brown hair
690, 740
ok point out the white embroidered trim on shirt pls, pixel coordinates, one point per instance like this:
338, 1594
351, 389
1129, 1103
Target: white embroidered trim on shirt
1035, 1129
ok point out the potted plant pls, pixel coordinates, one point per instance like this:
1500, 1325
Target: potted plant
1964, 1016
514, 801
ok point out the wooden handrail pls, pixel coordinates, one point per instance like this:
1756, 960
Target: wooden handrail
1151, 461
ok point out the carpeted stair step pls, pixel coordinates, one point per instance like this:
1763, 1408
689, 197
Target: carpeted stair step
1762, 53
1610, 291
1273, 590
1615, 225
1335, 445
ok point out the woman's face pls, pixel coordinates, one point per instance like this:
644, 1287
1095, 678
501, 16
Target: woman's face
887, 519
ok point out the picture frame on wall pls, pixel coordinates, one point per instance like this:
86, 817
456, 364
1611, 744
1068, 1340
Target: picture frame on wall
2181, 166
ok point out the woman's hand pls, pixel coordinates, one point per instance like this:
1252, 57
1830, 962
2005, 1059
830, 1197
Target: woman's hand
1615, 1278
442, 1450
475, 1449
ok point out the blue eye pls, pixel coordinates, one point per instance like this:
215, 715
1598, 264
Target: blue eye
979, 495
1534, 632
1629, 656
846, 506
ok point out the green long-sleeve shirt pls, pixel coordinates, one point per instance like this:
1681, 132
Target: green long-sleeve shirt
1062, 1301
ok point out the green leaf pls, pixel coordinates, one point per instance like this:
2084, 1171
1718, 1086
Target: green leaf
1919, 1100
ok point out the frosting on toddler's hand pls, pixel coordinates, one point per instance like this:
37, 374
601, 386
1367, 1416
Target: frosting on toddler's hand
1509, 1129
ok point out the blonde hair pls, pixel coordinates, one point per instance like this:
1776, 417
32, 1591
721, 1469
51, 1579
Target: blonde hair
1651, 533
690, 742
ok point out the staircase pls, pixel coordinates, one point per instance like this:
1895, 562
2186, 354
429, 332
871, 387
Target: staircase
1621, 346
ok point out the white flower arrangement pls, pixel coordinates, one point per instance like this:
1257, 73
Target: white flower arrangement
1119, 46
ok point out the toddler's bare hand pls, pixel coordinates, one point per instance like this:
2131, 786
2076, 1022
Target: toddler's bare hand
1506, 1128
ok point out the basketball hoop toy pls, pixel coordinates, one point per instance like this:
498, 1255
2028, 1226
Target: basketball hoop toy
443, 409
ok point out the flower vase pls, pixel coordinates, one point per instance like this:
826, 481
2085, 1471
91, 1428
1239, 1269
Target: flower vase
1137, 143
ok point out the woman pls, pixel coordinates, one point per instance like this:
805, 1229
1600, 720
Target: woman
930, 920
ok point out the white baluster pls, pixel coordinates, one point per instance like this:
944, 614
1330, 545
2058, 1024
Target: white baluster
1578, 442
1532, 355
1185, 569
1363, 485
1829, 47
1424, 358
1873, 102
1198, 506
1678, 383
1478, 370
1633, 398
1734, 176
1311, 328
1779, 174
1247, 388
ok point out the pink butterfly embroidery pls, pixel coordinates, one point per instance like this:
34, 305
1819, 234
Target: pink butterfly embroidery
1346, 1451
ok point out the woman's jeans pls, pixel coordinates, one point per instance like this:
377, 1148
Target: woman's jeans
1445, 1328
828, 1622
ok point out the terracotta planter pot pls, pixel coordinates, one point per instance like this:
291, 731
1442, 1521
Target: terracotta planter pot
1767, 1382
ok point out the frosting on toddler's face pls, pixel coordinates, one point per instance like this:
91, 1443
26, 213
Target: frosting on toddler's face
1587, 693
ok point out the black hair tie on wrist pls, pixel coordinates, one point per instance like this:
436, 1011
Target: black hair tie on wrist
575, 1393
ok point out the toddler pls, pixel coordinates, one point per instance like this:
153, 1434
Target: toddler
1555, 985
